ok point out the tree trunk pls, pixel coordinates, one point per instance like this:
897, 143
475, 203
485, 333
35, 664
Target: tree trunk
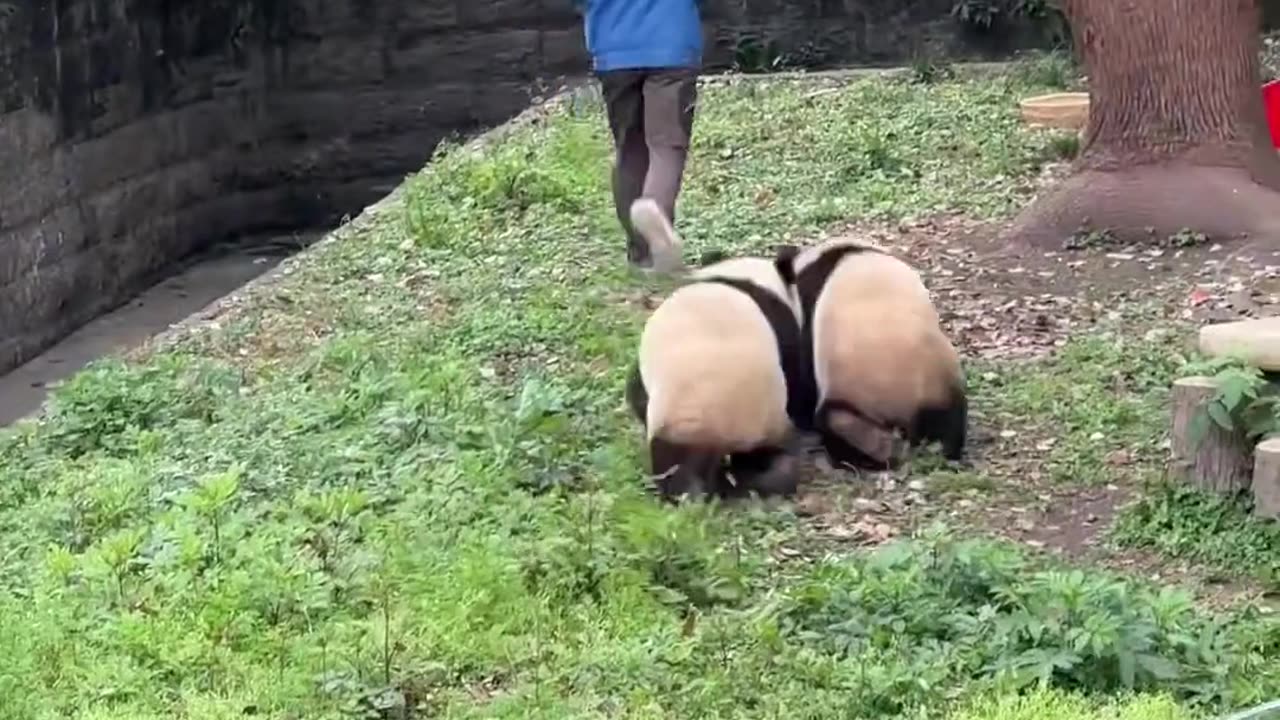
1177, 136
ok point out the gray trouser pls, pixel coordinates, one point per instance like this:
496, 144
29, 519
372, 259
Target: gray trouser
651, 117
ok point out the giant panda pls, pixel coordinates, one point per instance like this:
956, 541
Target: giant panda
719, 361
877, 352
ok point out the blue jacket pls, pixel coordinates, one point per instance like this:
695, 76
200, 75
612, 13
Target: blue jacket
631, 34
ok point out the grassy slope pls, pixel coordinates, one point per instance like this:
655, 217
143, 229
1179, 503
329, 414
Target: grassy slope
405, 476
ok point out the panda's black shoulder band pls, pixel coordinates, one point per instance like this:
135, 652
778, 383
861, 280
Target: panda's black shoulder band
802, 392
784, 261
810, 281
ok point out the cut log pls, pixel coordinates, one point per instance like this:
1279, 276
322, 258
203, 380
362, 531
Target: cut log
1266, 478
1218, 461
1256, 342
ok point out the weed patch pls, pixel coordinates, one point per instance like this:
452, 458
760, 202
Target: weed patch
1056, 70
924, 618
1182, 522
1058, 705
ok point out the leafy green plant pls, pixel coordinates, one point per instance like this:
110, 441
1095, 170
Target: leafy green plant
1055, 70
982, 610
1059, 705
1065, 146
1045, 15
1087, 237
1048, 16
926, 71
109, 406
1186, 238
1244, 401
981, 14
753, 55
985, 13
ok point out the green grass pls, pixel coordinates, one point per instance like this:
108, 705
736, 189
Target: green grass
1057, 705
1055, 70
1181, 522
1101, 394
405, 478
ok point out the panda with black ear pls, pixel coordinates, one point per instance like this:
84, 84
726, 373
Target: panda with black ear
877, 352
718, 367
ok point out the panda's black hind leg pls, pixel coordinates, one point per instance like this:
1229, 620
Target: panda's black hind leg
767, 472
637, 395
947, 424
843, 452
684, 470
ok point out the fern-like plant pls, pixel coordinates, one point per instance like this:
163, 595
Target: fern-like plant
1244, 401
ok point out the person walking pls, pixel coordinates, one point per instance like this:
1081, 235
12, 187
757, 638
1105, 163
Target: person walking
647, 55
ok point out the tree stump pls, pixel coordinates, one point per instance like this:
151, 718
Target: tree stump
1266, 478
1218, 461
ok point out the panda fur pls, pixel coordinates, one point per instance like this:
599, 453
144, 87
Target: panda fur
718, 360
878, 355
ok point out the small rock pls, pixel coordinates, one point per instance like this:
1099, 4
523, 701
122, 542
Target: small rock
917, 486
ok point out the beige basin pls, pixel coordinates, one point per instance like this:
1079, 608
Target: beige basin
1069, 111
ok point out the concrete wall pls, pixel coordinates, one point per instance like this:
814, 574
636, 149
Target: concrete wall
134, 132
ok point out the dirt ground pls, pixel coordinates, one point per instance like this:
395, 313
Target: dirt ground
1016, 306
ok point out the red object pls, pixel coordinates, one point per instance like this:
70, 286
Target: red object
1271, 99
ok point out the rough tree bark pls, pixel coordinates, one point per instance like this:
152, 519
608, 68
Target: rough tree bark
1177, 135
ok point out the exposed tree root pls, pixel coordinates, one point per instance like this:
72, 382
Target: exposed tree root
1150, 203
